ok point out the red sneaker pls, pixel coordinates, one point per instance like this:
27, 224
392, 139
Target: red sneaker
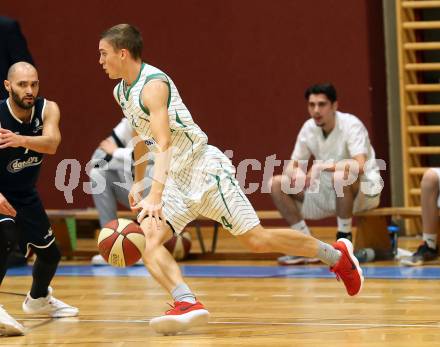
182, 316
347, 268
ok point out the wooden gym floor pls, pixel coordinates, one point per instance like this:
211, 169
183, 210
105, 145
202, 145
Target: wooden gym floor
114, 311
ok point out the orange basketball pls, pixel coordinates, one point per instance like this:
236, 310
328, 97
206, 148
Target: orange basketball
121, 242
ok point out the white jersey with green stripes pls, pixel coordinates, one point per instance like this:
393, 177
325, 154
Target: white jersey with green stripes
187, 139
201, 178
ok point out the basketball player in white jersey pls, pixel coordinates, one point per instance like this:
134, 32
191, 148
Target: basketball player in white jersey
330, 137
112, 162
195, 179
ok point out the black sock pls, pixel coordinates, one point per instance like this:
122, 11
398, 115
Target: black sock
343, 235
44, 269
42, 274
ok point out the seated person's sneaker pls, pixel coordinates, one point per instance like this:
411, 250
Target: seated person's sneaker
347, 268
49, 306
98, 259
182, 316
296, 260
423, 254
8, 325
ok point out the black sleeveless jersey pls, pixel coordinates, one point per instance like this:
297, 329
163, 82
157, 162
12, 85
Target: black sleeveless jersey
20, 167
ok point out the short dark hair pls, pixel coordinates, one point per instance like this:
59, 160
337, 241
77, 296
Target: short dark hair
125, 36
325, 88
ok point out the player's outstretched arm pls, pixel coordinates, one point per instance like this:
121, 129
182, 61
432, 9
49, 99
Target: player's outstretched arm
46, 143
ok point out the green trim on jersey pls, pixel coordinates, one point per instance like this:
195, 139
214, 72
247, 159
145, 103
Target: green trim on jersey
178, 120
154, 76
192, 142
232, 181
148, 79
217, 178
118, 92
127, 94
141, 104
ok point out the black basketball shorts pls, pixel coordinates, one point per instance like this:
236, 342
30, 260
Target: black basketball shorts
31, 220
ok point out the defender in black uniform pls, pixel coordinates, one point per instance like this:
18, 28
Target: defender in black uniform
28, 129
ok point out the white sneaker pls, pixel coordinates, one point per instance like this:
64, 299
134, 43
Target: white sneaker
8, 325
49, 305
98, 259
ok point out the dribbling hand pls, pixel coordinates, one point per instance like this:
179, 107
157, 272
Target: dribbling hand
151, 207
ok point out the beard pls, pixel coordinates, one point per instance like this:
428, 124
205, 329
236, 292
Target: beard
20, 102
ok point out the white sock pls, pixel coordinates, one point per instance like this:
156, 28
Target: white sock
328, 254
302, 227
431, 240
183, 293
344, 225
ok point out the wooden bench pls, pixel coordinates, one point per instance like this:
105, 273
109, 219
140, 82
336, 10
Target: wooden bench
371, 226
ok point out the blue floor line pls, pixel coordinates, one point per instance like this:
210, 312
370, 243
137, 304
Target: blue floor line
386, 272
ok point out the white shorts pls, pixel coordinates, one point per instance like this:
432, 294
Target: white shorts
208, 188
322, 204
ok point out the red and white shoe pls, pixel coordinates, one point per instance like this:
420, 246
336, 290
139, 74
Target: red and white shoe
182, 316
347, 268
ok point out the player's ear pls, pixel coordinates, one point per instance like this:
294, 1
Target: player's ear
7, 85
123, 53
335, 105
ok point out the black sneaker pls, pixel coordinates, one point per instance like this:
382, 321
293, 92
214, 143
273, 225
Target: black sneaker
423, 254
341, 235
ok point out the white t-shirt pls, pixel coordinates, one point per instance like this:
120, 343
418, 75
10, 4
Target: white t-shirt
348, 139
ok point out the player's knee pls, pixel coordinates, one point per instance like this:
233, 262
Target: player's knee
155, 237
48, 255
430, 181
151, 245
8, 236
